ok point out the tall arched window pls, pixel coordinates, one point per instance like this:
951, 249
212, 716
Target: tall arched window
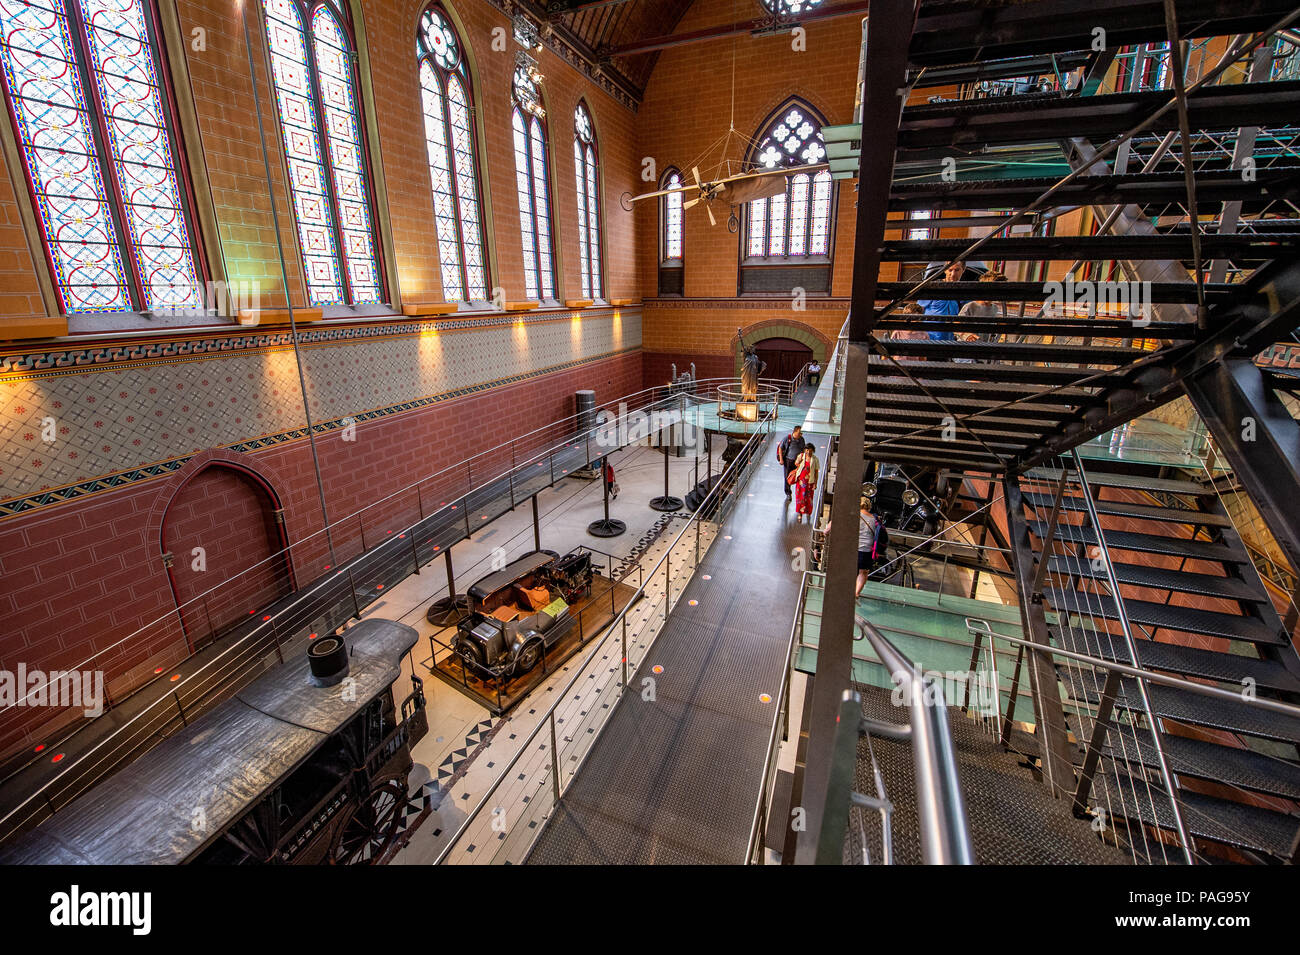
586, 161
320, 121
796, 224
670, 234
531, 176
453, 159
787, 8
85, 85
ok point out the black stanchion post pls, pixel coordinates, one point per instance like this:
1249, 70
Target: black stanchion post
537, 526
607, 527
448, 610
666, 502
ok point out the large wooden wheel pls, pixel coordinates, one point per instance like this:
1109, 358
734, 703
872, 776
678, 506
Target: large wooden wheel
371, 826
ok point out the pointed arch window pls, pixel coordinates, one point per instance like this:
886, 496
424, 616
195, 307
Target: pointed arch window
671, 260
670, 216
447, 98
789, 8
85, 84
796, 224
586, 161
532, 179
312, 68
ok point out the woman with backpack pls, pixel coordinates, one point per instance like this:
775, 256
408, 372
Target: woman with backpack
868, 536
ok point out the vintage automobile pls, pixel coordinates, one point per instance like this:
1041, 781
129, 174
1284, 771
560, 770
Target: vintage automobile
901, 501
307, 764
518, 611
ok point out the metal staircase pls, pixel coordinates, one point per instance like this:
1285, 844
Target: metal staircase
1189, 190
1193, 606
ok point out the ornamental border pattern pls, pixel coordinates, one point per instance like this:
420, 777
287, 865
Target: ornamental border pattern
30, 502
19, 363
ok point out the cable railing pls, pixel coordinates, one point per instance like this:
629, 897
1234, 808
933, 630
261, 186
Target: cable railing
189, 673
756, 849
531, 785
1140, 775
1102, 809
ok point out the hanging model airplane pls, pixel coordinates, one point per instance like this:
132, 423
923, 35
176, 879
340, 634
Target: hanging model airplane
736, 190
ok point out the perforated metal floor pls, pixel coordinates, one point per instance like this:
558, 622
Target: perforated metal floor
676, 780
1013, 819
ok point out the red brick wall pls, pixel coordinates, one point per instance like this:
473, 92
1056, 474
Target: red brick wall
85, 580
687, 107
232, 518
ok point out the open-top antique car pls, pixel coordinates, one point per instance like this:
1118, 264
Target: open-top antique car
518, 611
294, 768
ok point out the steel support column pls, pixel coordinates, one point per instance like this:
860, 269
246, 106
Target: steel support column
889, 33
1259, 438
1049, 713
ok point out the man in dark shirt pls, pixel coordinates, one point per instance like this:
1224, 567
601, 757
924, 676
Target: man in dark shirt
788, 451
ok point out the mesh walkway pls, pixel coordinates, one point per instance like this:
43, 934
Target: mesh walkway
675, 779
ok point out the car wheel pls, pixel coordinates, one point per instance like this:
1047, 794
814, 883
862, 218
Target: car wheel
470, 652
529, 655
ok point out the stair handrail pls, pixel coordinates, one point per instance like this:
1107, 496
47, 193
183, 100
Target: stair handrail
1121, 613
945, 829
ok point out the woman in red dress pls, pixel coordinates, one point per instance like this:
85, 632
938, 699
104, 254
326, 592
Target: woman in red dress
805, 483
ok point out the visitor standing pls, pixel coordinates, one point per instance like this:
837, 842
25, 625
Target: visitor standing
946, 307
610, 484
868, 530
805, 483
788, 451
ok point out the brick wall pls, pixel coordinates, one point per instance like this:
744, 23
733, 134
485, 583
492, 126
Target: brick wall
78, 580
227, 514
688, 105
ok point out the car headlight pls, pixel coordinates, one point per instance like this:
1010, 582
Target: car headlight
910, 497
869, 489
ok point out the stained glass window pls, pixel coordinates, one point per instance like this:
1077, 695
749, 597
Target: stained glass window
586, 163
534, 192
787, 8
795, 224
670, 211
84, 83
311, 66
914, 233
453, 164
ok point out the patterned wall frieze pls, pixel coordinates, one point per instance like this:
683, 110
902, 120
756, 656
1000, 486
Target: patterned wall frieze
67, 431
811, 303
72, 357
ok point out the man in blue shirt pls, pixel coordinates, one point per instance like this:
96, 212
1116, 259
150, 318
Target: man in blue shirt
932, 306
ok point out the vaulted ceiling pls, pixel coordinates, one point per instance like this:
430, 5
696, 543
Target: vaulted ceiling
618, 41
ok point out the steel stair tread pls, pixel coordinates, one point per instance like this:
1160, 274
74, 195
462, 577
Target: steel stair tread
1207, 817
1231, 765
1163, 578
1146, 543
1118, 479
1193, 661
1168, 515
1186, 706
1185, 619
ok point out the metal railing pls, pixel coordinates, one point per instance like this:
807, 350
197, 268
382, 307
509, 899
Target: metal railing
755, 850
944, 829
404, 536
533, 782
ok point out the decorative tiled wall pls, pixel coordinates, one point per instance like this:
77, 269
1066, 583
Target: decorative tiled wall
128, 411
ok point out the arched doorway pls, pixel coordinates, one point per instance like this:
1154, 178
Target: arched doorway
222, 530
784, 357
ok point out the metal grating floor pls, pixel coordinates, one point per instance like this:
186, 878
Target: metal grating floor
676, 780
1013, 819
